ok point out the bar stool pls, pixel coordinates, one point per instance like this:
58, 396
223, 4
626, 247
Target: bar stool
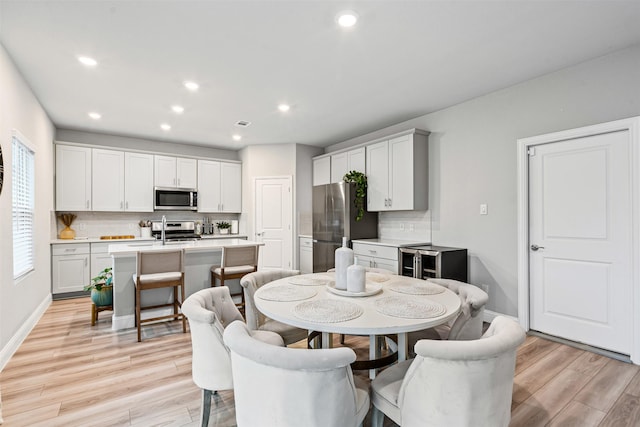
161, 269
236, 262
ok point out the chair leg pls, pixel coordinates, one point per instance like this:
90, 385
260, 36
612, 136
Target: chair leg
377, 417
205, 407
138, 312
184, 320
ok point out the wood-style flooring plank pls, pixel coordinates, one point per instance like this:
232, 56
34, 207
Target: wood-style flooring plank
532, 351
626, 412
575, 414
607, 385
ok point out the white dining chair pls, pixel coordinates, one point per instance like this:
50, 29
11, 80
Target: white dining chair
452, 383
209, 312
292, 387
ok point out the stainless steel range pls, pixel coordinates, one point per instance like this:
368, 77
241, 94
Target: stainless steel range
175, 230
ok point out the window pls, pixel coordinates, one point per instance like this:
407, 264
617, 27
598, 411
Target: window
23, 191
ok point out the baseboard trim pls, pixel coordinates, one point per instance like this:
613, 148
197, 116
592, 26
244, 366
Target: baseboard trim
21, 334
490, 315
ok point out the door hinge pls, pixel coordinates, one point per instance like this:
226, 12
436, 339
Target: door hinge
531, 151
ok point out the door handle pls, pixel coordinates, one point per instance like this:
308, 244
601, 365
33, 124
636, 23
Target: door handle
258, 234
536, 247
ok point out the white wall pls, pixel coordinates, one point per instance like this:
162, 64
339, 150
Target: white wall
304, 182
19, 109
472, 157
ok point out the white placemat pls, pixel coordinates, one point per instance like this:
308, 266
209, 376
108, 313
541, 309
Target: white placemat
308, 280
327, 311
416, 288
287, 293
377, 277
409, 308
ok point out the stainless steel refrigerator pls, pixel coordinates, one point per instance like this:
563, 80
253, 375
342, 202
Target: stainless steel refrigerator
334, 214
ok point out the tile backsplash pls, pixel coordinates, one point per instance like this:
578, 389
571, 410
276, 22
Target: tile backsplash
400, 225
96, 224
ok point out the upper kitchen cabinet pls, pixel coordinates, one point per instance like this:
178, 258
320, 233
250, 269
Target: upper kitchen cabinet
138, 182
322, 170
122, 182
397, 173
219, 186
343, 163
73, 178
175, 172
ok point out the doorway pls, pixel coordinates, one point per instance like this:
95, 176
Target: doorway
273, 222
578, 235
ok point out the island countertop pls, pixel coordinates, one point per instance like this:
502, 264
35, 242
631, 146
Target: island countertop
204, 245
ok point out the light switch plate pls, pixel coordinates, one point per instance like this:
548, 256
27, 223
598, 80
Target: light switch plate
484, 210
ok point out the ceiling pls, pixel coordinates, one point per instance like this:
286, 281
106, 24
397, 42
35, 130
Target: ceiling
403, 59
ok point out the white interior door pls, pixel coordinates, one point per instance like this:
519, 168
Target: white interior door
580, 240
273, 218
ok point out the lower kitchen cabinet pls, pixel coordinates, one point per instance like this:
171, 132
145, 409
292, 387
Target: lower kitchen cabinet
376, 256
306, 255
70, 267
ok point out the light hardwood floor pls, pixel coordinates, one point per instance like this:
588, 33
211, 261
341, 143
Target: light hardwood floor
68, 373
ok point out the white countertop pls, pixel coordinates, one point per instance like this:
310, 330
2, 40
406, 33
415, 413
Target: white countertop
392, 242
306, 236
138, 239
203, 245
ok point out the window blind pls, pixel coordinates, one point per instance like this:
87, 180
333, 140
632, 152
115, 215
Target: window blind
23, 195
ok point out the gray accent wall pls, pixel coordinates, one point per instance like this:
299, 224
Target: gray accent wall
22, 301
472, 157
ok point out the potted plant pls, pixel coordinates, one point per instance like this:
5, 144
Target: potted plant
223, 227
360, 179
101, 288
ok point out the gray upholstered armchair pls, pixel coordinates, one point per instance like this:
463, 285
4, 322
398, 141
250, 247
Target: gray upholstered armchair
467, 325
291, 387
257, 321
209, 311
452, 383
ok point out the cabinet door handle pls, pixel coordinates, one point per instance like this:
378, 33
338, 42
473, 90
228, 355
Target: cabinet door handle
85, 262
121, 205
126, 205
87, 204
178, 182
373, 252
390, 203
69, 250
174, 181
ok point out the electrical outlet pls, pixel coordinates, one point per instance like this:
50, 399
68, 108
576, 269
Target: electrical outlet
484, 210
82, 226
402, 226
410, 227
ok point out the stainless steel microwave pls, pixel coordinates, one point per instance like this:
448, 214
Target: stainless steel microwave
175, 199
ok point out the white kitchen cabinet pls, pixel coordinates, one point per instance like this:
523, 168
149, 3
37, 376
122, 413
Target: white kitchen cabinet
306, 255
69, 267
376, 256
122, 181
397, 173
108, 180
219, 186
138, 182
322, 170
73, 178
343, 163
175, 172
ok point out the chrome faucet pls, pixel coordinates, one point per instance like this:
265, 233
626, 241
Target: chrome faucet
164, 226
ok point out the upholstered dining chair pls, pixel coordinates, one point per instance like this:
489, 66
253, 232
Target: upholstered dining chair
159, 269
291, 387
452, 383
468, 325
209, 311
236, 262
256, 321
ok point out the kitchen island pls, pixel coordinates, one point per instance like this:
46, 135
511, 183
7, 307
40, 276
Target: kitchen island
199, 257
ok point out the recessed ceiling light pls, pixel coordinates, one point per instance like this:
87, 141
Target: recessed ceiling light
95, 116
165, 127
178, 109
283, 107
236, 137
89, 62
192, 86
347, 19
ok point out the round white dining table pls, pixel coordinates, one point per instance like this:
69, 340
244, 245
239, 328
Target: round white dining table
284, 299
